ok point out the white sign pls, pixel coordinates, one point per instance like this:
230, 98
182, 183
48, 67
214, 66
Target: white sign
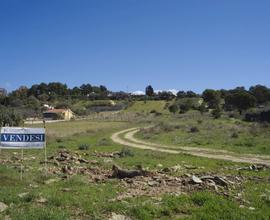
17, 138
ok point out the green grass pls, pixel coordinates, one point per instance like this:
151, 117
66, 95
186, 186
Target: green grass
224, 133
148, 106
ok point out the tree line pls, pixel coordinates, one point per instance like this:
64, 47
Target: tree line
24, 102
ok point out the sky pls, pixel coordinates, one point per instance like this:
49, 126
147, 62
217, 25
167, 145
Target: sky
128, 44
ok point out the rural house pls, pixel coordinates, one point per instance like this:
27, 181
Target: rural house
58, 114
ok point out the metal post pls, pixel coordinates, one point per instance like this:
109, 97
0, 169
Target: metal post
22, 164
45, 150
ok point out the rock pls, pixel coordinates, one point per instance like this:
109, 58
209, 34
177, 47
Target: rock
166, 170
66, 189
196, 180
7, 217
251, 208
220, 181
119, 217
41, 200
3, 207
122, 173
241, 206
94, 162
176, 168
190, 167
49, 181
81, 160
21, 195
153, 183
159, 165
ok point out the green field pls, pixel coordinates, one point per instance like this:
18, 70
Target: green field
91, 195
225, 133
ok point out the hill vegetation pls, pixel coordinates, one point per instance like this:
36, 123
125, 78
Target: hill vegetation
250, 105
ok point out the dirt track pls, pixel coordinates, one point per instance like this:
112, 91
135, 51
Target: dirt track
131, 141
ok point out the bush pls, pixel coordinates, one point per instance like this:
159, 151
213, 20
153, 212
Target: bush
84, 147
234, 135
103, 142
126, 152
194, 129
216, 113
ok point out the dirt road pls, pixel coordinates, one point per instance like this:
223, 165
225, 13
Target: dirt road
126, 137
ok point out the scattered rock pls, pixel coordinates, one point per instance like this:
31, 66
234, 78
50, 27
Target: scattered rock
159, 165
196, 180
66, 189
49, 181
22, 195
190, 167
3, 207
119, 217
42, 200
153, 183
122, 173
251, 208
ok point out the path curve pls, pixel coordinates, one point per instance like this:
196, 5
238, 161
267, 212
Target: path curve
131, 141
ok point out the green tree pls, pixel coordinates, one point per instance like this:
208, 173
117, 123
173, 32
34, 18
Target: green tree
261, 93
240, 100
211, 97
149, 91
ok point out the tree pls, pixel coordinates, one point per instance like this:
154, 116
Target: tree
86, 89
165, 95
9, 117
239, 99
211, 97
261, 93
191, 94
181, 94
149, 91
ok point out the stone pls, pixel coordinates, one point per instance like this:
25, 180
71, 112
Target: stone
152, 183
119, 217
3, 207
49, 181
22, 195
41, 200
196, 180
220, 181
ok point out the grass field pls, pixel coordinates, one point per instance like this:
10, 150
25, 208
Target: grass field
76, 196
195, 130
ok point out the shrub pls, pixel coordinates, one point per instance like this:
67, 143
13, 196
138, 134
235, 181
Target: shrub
216, 113
199, 121
103, 142
194, 129
84, 147
126, 152
234, 135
